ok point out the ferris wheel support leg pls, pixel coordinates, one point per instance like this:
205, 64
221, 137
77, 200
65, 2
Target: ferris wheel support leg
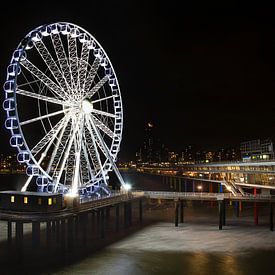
96, 151
76, 174
106, 151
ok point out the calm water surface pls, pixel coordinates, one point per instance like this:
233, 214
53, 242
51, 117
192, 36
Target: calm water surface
193, 248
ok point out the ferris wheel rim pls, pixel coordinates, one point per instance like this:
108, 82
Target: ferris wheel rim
15, 95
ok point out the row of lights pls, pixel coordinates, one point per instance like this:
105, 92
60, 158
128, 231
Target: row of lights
50, 200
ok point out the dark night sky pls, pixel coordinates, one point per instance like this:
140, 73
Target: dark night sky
203, 74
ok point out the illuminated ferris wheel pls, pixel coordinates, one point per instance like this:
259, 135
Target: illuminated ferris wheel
64, 110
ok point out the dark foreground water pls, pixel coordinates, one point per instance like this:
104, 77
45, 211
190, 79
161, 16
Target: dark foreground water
195, 247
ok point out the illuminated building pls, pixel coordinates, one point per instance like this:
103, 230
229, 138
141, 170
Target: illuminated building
257, 150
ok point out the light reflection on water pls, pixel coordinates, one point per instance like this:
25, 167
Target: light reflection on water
135, 263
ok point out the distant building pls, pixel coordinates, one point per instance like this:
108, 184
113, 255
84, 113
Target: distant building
152, 150
257, 150
188, 154
172, 157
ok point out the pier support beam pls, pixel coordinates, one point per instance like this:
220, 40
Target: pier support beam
9, 233
271, 217
83, 227
176, 213
255, 208
223, 213
117, 217
102, 223
220, 203
140, 211
48, 233
35, 234
181, 211
70, 226
57, 226
19, 235
237, 209
127, 214
63, 234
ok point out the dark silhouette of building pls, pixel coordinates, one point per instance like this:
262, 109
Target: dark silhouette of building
152, 150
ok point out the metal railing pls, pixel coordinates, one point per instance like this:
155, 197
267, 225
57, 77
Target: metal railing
205, 195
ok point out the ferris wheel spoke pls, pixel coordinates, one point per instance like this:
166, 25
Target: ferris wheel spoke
91, 75
103, 127
29, 83
43, 97
95, 143
75, 126
85, 154
102, 99
97, 86
53, 87
90, 148
48, 138
103, 113
73, 59
43, 117
51, 64
59, 147
83, 64
62, 58
78, 145
106, 152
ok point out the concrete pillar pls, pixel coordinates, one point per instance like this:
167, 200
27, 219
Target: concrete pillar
185, 186
255, 208
176, 214
98, 213
83, 227
57, 226
223, 213
92, 221
35, 234
210, 187
9, 233
271, 216
48, 233
220, 204
70, 230
19, 234
193, 187
107, 212
125, 214
130, 213
240, 206
63, 234
140, 211
117, 217
102, 223
76, 228
181, 211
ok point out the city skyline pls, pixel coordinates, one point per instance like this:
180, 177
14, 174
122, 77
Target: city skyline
203, 75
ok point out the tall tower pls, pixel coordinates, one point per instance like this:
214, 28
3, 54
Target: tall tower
148, 144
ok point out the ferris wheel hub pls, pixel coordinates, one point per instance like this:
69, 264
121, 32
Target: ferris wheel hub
87, 107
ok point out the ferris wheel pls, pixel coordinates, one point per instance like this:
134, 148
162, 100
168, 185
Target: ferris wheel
64, 110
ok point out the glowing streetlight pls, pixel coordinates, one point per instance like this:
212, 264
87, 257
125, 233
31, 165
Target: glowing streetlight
199, 188
126, 187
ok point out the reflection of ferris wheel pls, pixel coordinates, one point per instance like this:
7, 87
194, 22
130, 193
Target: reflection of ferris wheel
64, 110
